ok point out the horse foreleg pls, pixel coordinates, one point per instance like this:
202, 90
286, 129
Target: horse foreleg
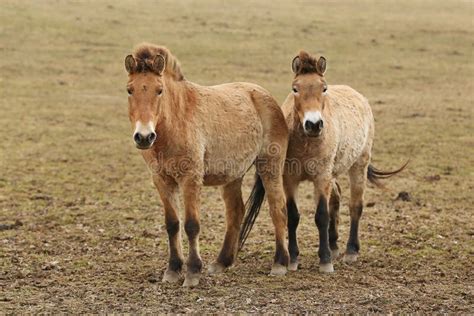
191, 195
232, 195
293, 221
168, 190
321, 218
334, 203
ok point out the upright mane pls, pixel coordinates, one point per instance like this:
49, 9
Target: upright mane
145, 53
307, 63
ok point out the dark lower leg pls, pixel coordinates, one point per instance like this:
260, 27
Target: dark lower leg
334, 203
293, 221
358, 179
278, 214
168, 190
176, 257
234, 214
192, 227
281, 254
353, 246
191, 191
229, 248
322, 222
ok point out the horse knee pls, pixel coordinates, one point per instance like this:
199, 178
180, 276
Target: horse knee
192, 228
321, 217
172, 227
356, 210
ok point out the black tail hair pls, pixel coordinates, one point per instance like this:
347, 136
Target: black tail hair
374, 175
252, 207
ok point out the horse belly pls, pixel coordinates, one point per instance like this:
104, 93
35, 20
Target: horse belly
228, 164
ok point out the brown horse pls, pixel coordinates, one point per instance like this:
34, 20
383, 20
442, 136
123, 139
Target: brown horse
191, 136
331, 133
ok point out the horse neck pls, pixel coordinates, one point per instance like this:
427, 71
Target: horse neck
173, 109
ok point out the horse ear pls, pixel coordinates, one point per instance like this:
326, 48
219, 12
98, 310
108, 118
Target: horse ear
321, 65
130, 64
158, 64
296, 64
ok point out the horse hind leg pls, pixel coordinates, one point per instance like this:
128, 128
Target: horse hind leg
358, 180
269, 167
232, 195
334, 204
276, 201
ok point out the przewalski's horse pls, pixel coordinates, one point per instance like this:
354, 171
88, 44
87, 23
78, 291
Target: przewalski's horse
191, 136
331, 133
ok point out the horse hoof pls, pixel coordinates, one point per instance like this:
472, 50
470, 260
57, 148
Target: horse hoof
216, 268
350, 257
335, 253
278, 269
326, 268
170, 276
293, 266
191, 279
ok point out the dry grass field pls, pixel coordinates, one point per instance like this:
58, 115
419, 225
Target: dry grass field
82, 227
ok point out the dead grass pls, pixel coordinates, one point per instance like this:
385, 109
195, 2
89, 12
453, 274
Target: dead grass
92, 236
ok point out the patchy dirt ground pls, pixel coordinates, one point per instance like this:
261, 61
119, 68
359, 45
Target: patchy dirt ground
81, 226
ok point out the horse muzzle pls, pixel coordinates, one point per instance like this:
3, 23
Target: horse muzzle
144, 141
313, 129
144, 135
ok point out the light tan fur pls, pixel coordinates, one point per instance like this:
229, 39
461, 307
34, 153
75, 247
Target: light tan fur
343, 145
331, 132
206, 136
348, 133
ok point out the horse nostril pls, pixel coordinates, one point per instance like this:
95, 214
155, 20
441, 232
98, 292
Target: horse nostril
313, 128
309, 126
137, 137
320, 124
151, 137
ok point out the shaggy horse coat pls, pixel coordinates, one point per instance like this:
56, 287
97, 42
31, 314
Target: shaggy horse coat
331, 132
192, 135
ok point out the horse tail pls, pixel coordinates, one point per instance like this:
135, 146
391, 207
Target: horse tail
374, 175
252, 207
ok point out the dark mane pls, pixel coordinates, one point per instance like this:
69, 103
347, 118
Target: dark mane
307, 63
145, 53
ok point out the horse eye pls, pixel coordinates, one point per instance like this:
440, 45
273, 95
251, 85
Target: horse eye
129, 91
325, 89
159, 92
295, 90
